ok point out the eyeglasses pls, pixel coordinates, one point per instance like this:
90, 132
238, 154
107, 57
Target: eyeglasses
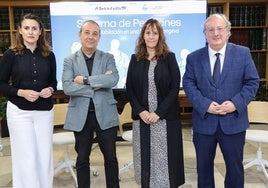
218, 29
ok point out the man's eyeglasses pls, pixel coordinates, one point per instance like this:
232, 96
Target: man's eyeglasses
218, 29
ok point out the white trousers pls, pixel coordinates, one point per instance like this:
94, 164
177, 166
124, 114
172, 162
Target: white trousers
31, 147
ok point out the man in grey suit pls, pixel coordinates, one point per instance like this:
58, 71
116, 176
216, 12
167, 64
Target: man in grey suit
220, 98
88, 78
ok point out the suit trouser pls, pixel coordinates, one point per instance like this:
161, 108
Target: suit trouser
107, 143
31, 147
232, 148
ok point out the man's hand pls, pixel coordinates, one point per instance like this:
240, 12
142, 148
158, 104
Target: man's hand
214, 108
221, 109
108, 72
79, 79
228, 107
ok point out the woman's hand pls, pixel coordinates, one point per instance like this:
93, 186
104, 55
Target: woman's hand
28, 94
149, 118
144, 116
153, 118
46, 92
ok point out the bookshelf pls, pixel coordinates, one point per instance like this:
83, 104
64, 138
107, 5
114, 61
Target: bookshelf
10, 16
249, 20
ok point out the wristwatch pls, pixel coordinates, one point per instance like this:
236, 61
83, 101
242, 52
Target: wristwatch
85, 80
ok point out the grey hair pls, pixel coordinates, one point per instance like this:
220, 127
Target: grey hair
222, 16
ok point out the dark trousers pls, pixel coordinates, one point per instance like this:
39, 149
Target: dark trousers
232, 148
106, 140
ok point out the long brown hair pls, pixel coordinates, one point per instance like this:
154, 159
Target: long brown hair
42, 43
161, 48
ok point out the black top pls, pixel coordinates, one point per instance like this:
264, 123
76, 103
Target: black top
89, 62
28, 71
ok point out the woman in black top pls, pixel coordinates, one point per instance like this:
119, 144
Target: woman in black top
28, 79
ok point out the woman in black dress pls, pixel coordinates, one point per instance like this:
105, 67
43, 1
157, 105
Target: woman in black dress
153, 83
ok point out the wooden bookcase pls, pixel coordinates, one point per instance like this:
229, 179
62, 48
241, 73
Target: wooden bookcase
249, 24
246, 30
249, 20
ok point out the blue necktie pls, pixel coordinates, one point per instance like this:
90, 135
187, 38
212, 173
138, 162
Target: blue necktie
217, 69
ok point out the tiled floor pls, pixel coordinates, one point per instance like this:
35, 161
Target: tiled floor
253, 178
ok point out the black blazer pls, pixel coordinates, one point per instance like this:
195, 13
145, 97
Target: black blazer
167, 80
